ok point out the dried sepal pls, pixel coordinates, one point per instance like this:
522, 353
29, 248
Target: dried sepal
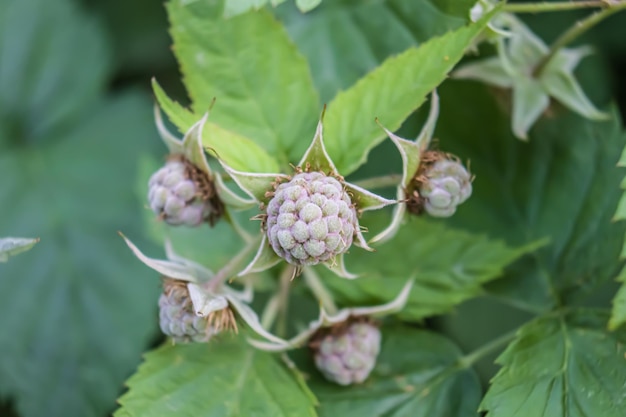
175, 269
397, 218
338, 267
412, 154
327, 320
174, 145
316, 157
265, 258
230, 198
526, 65
256, 185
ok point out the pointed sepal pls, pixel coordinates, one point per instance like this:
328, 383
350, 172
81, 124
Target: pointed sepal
11, 246
174, 145
174, 269
489, 71
230, 198
365, 200
171, 255
204, 302
411, 151
529, 102
360, 240
391, 307
337, 265
316, 157
193, 148
327, 320
562, 85
265, 258
249, 316
396, 221
255, 185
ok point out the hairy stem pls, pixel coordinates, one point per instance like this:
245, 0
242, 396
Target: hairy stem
230, 269
578, 29
319, 290
390, 180
497, 343
557, 6
283, 299
270, 311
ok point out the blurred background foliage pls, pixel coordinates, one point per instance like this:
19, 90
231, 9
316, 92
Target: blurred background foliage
77, 311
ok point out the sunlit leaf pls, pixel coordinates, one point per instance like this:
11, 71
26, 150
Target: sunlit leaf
342, 38
225, 378
390, 93
261, 82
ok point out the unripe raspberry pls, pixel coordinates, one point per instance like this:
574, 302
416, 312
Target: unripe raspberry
310, 219
177, 318
446, 185
178, 194
348, 356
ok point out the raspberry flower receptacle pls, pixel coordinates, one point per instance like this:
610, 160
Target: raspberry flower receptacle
196, 304
185, 191
310, 217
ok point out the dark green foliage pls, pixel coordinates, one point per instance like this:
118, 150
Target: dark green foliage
541, 232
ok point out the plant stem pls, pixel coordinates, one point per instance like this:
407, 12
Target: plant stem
390, 180
283, 300
270, 311
578, 29
472, 357
230, 268
558, 6
319, 290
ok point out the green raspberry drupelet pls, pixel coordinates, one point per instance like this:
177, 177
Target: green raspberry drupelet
310, 219
349, 355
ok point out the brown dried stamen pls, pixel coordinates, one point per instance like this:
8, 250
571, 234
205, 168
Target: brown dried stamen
414, 201
217, 320
205, 186
223, 320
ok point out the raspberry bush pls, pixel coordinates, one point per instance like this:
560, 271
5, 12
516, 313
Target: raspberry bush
381, 208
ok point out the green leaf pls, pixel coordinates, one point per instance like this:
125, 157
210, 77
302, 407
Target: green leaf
262, 83
417, 374
235, 7
455, 7
307, 5
618, 315
82, 309
237, 151
78, 310
390, 93
342, 38
448, 266
40, 91
561, 366
560, 185
11, 246
223, 378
